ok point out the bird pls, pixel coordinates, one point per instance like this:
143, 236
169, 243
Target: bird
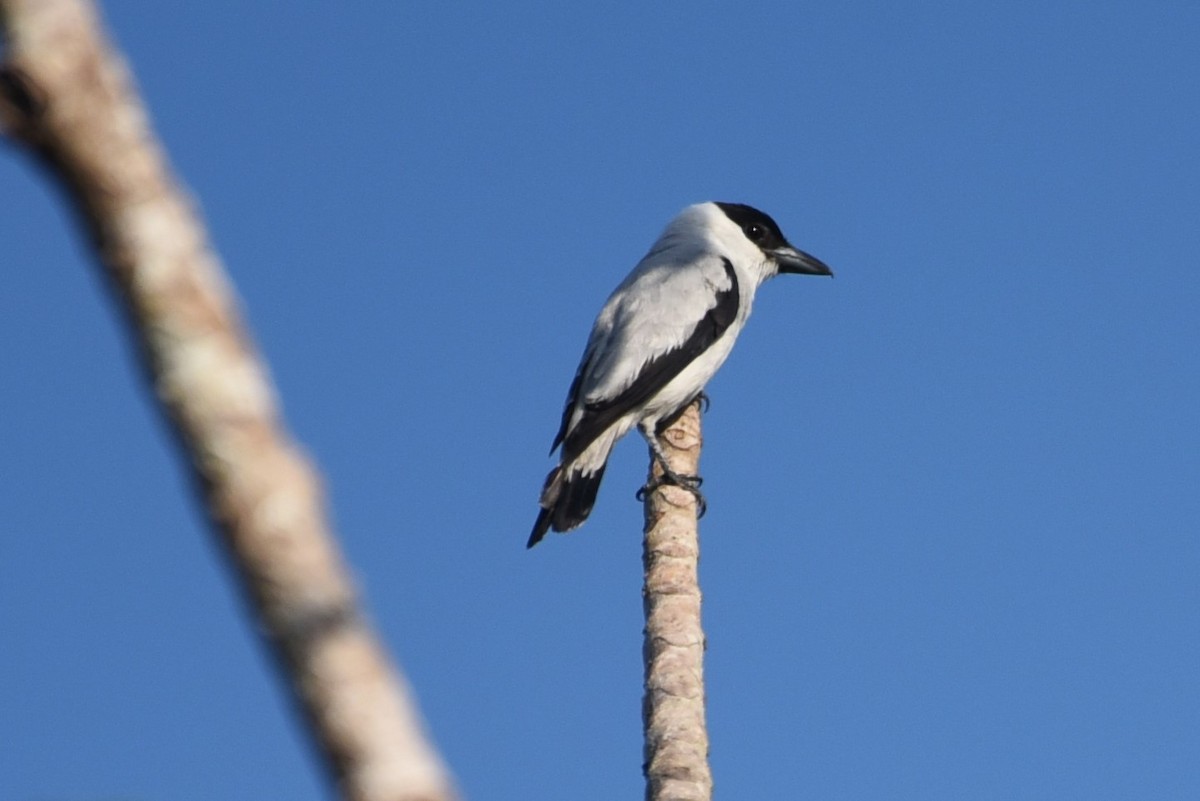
660, 337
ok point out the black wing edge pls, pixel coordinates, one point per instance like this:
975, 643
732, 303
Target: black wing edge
657, 373
572, 394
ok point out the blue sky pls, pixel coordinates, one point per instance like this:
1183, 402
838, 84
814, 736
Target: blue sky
951, 549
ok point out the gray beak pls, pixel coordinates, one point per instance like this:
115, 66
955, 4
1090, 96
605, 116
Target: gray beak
795, 261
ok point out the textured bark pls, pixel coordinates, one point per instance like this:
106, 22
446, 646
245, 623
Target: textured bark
68, 97
676, 751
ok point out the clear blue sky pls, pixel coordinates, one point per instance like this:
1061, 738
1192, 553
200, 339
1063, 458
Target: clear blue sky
952, 547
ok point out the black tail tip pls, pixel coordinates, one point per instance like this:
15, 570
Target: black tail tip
534, 539
540, 527
570, 508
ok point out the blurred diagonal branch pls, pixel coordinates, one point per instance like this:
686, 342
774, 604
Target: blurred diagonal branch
67, 97
676, 750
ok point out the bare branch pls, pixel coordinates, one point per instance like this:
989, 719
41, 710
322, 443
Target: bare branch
676, 751
68, 97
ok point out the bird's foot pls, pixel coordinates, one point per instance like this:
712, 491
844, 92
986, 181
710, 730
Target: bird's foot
670, 478
703, 400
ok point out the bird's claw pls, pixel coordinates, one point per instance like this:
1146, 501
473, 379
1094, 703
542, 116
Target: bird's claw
670, 478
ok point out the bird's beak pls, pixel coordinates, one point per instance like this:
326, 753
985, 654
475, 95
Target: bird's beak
791, 260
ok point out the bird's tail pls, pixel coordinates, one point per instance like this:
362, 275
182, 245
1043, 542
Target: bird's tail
567, 500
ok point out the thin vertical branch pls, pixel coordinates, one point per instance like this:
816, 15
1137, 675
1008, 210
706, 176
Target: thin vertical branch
67, 97
676, 751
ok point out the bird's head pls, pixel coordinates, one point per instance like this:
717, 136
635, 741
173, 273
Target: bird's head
755, 234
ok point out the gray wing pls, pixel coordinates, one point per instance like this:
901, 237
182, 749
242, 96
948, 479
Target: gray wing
656, 323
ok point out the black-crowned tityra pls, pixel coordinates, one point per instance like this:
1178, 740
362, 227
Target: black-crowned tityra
658, 340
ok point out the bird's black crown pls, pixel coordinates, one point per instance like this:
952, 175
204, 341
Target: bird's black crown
758, 226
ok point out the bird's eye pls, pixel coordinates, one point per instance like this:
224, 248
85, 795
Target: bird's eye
755, 232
